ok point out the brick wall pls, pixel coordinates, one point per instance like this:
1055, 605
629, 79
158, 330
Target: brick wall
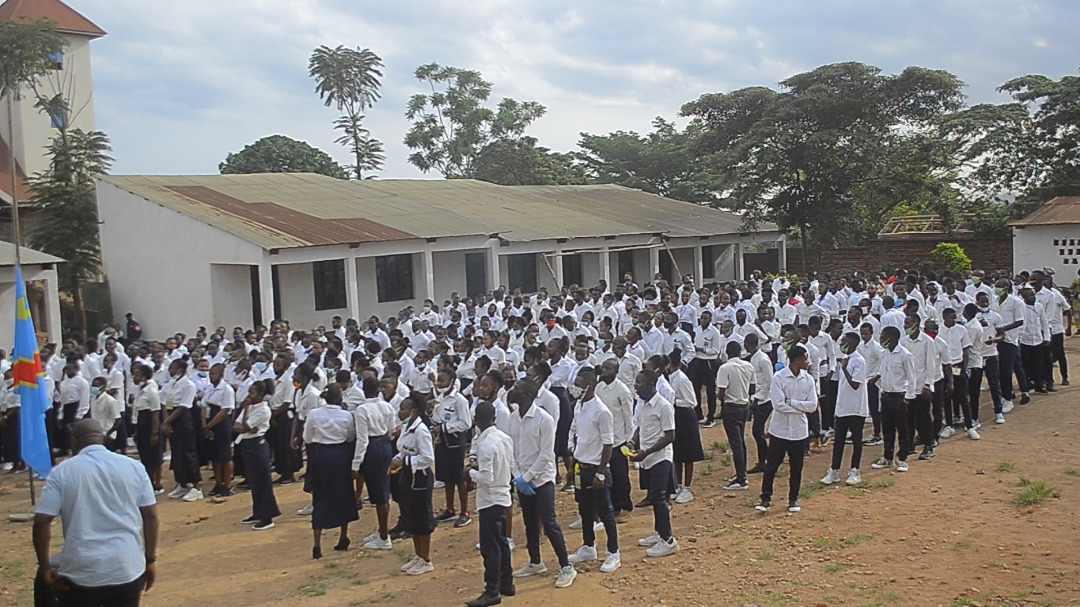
909, 251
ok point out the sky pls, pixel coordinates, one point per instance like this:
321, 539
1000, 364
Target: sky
178, 84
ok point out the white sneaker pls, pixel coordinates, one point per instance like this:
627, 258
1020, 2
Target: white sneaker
881, 464
193, 495
566, 577
597, 526
854, 477
576, 524
1006, 406
946, 432
830, 433
663, 548
372, 536
438, 485
999, 418
306, 510
585, 553
831, 477
652, 540
534, 569
611, 562
179, 492
977, 425
379, 544
409, 565
973, 434
902, 466
167, 457
685, 496
421, 567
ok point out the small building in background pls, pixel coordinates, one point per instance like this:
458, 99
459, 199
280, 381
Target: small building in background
242, 250
42, 293
1050, 238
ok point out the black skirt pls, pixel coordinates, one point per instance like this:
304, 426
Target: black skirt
11, 440
375, 469
151, 456
687, 448
329, 477
414, 491
220, 442
450, 457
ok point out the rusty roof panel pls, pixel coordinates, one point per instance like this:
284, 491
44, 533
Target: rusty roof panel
1063, 210
66, 18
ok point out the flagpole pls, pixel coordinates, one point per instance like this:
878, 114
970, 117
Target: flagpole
15, 221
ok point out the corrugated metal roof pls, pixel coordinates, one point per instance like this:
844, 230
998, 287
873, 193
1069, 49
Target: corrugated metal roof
67, 19
298, 210
30, 257
1059, 211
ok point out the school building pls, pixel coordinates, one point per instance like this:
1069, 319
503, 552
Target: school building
239, 250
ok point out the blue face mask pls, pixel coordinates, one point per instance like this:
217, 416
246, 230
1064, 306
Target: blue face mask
95, 391
203, 374
260, 367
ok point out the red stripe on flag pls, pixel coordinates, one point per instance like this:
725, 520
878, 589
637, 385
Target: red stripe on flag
25, 372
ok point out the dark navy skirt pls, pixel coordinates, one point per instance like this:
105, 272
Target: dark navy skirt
450, 457
329, 478
376, 469
687, 448
151, 456
220, 437
11, 437
414, 493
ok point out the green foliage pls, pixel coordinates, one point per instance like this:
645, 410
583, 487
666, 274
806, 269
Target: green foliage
522, 162
452, 126
1005, 466
280, 154
67, 221
349, 80
25, 50
1035, 492
952, 256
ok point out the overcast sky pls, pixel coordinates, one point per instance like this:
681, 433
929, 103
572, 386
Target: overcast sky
181, 83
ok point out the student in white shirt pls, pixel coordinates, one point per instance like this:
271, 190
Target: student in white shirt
179, 426
872, 352
532, 431
414, 462
793, 394
619, 399
1011, 310
702, 368
687, 447
374, 420
106, 411
75, 399
146, 405
1034, 339
959, 346
898, 386
653, 438
491, 471
10, 439
735, 386
760, 406
852, 409
250, 427
1059, 317
925, 359
329, 432
454, 420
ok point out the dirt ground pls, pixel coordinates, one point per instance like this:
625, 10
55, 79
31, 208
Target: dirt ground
949, 532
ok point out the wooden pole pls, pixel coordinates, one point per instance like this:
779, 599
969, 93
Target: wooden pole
678, 272
554, 276
14, 178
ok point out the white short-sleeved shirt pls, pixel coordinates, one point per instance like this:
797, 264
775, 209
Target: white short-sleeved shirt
655, 417
591, 429
735, 377
97, 494
851, 401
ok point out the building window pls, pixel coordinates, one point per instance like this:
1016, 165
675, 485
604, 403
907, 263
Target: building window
626, 264
394, 278
708, 263
56, 60
521, 272
329, 279
573, 273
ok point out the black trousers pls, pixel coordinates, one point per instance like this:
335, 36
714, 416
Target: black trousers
619, 469
1007, 357
286, 459
120, 595
894, 425
67, 419
185, 454
873, 394
264, 506
960, 398
920, 421
795, 450
828, 404
1031, 357
844, 424
702, 373
760, 413
734, 418
1055, 353
495, 551
539, 510
937, 402
591, 500
660, 483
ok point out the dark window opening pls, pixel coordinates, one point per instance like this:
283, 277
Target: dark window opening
329, 283
394, 277
521, 272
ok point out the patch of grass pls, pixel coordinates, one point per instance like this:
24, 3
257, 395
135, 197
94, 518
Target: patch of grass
1072, 472
995, 564
858, 538
766, 556
961, 545
723, 532
833, 567
961, 603
709, 455
331, 565
708, 471
1005, 466
315, 589
810, 490
359, 582
1030, 566
386, 596
1035, 492
822, 542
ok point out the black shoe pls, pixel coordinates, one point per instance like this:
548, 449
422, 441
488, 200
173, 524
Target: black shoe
926, 455
251, 520
508, 591
1051, 388
484, 600
343, 545
446, 516
359, 505
316, 553
398, 534
1025, 399
758, 469
1041, 390
763, 506
462, 520
1064, 382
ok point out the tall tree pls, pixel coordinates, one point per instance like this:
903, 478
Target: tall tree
522, 162
452, 126
802, 156
657, 162
280, 154
349, 80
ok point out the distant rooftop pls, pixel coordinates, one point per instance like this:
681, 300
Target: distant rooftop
1064, 210
67, 19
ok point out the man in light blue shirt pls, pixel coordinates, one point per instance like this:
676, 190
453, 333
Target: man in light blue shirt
109, 512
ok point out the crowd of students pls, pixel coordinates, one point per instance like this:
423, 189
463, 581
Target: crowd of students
488, 396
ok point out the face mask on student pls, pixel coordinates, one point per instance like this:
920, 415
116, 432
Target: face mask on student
910, 332
95, 391
260, 367
1000, 291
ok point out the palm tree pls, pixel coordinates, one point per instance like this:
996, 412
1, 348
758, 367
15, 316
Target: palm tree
349, 80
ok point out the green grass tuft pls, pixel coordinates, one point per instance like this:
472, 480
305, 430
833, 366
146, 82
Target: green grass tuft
1035, 492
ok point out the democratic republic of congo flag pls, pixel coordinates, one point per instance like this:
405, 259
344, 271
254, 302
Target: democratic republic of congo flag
34, 398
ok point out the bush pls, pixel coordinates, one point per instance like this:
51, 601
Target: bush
952, 255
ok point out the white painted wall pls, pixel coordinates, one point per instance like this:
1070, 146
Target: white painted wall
1034, 248
449, 275
158, 262
230, 291
45, 321
684, 258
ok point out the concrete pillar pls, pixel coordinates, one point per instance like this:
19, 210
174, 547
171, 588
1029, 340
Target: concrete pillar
699, 267
558, 262
493, 265
266, 291
605, 266
52, 306
781, 253
429, 274
352, 288
740, 269
654, 264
